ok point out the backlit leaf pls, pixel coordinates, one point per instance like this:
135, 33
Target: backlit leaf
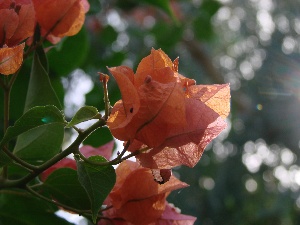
83, 114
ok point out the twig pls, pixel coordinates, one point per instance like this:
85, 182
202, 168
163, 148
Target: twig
71, 149
19, 161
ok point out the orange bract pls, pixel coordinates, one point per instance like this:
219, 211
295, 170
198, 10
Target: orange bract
136, 197
17, 22
11, 59
60, 18
167, 112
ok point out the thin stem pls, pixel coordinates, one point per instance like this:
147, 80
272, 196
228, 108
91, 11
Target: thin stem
115, 161
80, 212
104, 79
19, 161
2, 85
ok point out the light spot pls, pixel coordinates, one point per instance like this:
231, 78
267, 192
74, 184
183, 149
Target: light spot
251, 185
259, 107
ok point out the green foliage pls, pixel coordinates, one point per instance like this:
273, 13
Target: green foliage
63, 185
19, 207
72, 53
40, 91
40, 116
83, 114
97, 180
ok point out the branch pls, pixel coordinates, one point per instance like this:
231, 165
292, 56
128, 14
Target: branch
19, 161
21, 183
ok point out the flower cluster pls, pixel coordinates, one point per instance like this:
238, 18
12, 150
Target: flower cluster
136, 198
18, 19
166, 112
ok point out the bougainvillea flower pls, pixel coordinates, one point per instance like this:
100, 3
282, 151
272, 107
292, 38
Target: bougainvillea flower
11, 59
167, 112
136, 198
60, 18
17, 20
172, 216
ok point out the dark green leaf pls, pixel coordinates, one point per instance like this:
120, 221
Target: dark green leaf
99, 137
83, 114
63, 185
21, 208
70, 55
108, 35
36, 117
41, 143
40, 91
97, 181
210, 7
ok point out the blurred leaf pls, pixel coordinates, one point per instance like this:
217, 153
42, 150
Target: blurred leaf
115, 59
40, 91
70, 55
108, 35
36, 117
203, 28
21, 208
83, 114
95, 98
202, 25
210, 7
63, 186
163, 5
95, 6
167, 35
97, 181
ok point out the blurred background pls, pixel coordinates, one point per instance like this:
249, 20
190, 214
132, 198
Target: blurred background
250, 174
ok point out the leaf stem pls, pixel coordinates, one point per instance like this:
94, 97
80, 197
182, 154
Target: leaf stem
80, 212
115, 161
19, 161
104, 79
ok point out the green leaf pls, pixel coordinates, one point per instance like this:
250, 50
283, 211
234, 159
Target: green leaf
41, 143
63, 185
21, 208
83, 114
36, 117
97, 181
71, 55
40, 91
163, 5
99, 137
210, 7
43, 58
